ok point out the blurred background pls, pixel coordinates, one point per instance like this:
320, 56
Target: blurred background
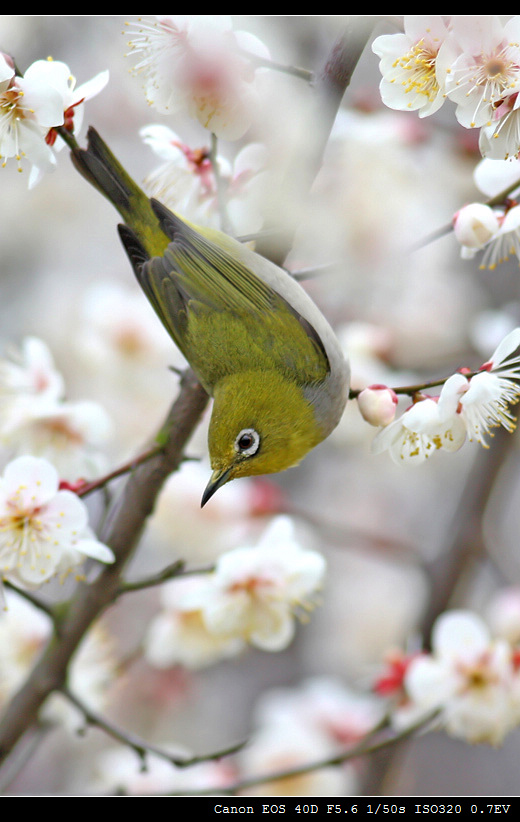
400, 543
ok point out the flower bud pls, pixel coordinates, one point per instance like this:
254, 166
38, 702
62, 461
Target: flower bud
475, 224
377, 404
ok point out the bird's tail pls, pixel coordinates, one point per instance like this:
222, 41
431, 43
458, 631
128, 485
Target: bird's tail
101, 169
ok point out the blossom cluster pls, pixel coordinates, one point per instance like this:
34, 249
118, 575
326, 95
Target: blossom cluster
468, 406
492, 229
44, 528
198, 65
472, 60
34, 104
252, 596
37, 419
469, 682
186, 181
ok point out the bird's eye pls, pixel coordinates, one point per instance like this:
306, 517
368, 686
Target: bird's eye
248, 442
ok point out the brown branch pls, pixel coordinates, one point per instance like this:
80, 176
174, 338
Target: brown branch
365, 747
329, 87
141, 746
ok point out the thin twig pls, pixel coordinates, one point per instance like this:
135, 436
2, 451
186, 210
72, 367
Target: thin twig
128, 467
411, 390
498, 199
265, 62
355, 752
176, 569
140, 745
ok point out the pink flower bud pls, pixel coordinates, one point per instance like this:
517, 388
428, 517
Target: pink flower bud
377, 404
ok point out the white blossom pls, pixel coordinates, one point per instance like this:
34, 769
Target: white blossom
57, 75
24, 631
423, 429
494, 176
28, 377
505, 242
410, 77
286, 745
29, 107
69, 434
178, 635
43, 531
501, 139
196, 64
467, 406
255, 592
484, 398
488, 68
186, 182
474, 225
324, 704
469, 677
35, 419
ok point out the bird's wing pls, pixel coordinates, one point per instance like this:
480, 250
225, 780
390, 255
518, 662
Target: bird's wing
196, 281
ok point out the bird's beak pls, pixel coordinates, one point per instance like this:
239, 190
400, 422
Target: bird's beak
218, 478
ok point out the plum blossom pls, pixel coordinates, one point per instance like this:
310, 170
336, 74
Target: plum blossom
43, 531
501, 139
186, 181
325, 704
472, 679
484, 398
24, 631
286, 745
494, 176
427, 426
35, 418
28, 376
29, 107
178, 635
505, 242
468, 405
255, 592
487, 68
474, 225
197, 64
472, 60
71, 435
496, 230
411, 79
57, 75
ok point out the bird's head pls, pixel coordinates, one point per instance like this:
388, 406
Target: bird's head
261, 424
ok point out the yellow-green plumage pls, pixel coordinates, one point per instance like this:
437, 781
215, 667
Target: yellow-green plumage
256, 341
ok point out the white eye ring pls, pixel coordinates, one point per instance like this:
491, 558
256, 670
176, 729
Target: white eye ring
248, 442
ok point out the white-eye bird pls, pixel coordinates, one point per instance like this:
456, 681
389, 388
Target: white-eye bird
256, 341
